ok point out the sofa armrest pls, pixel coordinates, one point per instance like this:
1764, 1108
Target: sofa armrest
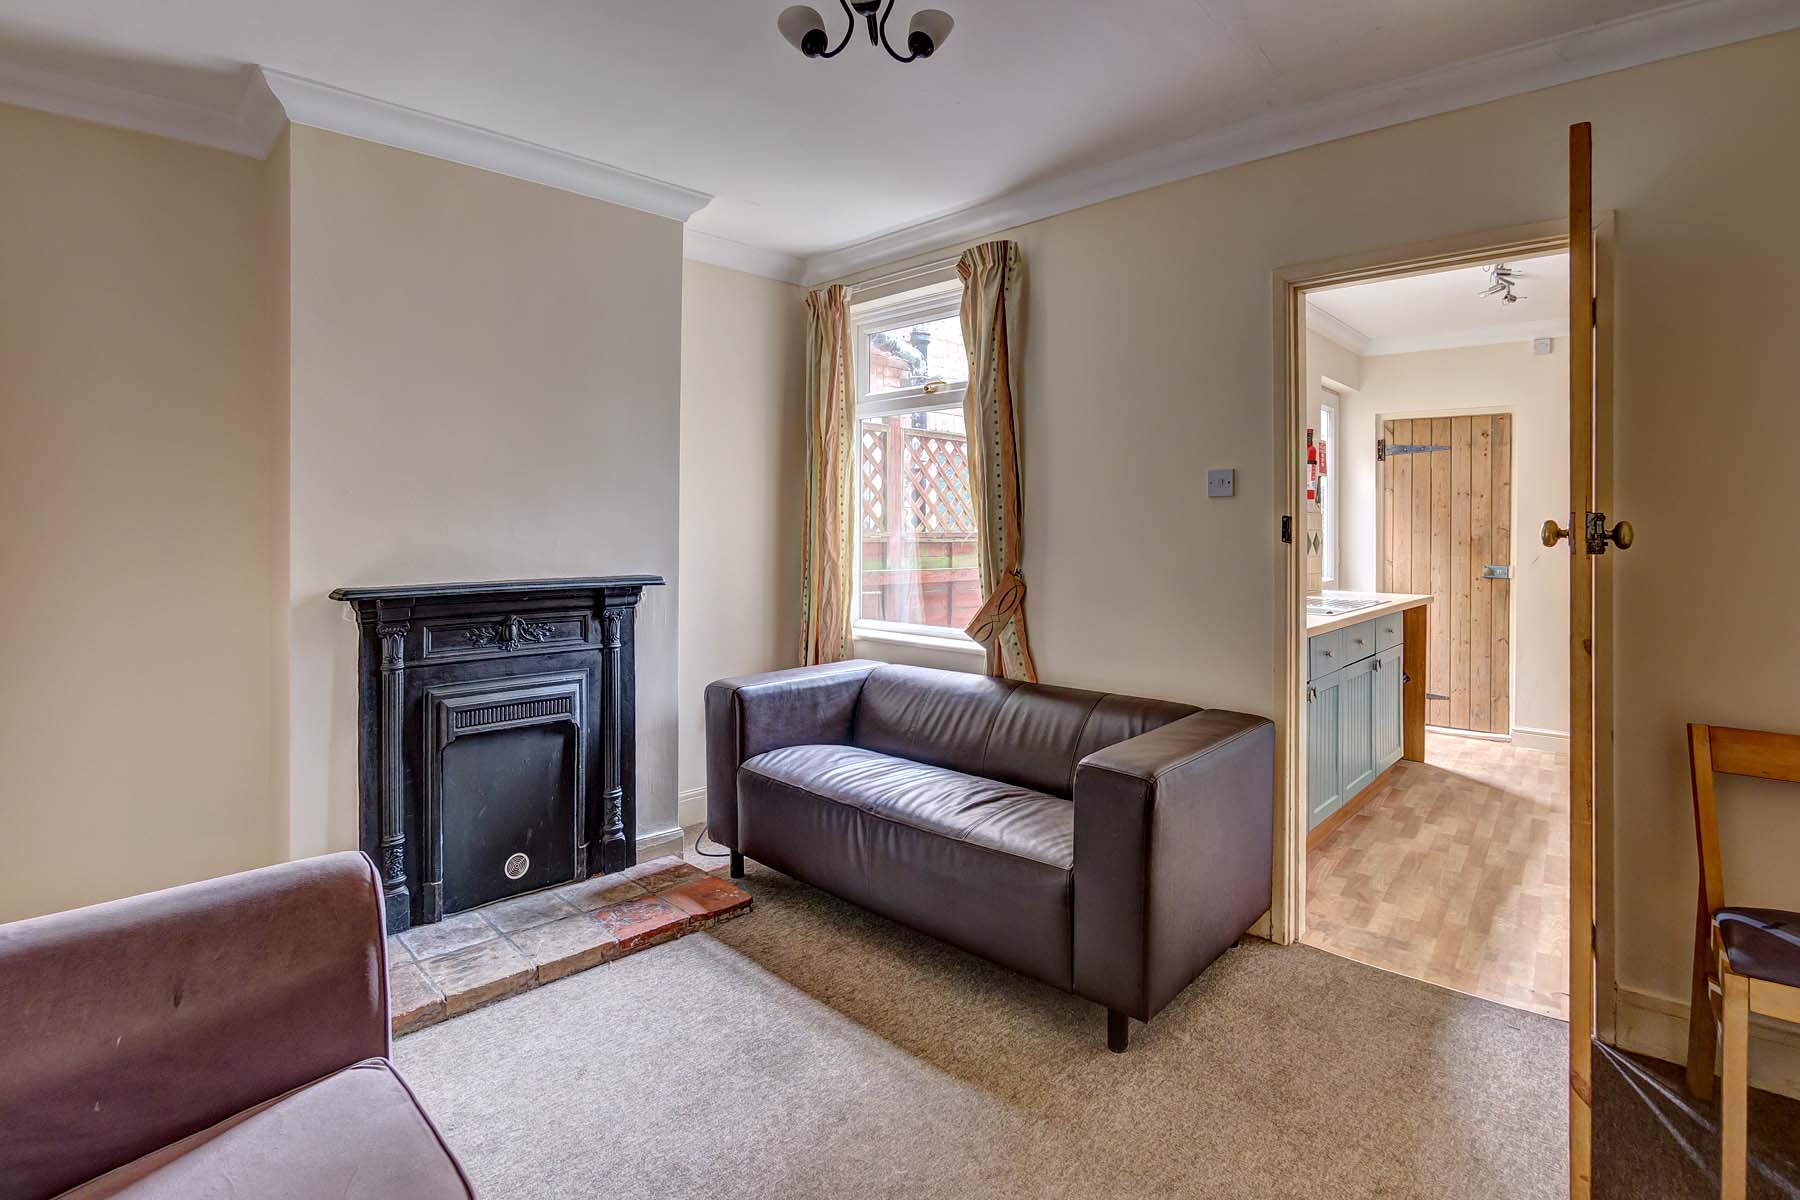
132, 1024
751, 714
1174, 834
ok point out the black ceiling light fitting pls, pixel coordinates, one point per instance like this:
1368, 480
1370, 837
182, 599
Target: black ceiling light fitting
804, 28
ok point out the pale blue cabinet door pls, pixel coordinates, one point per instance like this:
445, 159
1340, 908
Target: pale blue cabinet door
1389, 675
1324, 787
1356, 726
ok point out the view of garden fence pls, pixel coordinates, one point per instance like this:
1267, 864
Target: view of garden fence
919, 562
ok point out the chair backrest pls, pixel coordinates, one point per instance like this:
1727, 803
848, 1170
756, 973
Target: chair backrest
1721, 750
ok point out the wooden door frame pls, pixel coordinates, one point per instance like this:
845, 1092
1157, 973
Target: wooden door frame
1287, 905
1512, 593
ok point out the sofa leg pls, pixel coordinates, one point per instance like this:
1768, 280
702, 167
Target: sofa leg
737, 865
1118, 1031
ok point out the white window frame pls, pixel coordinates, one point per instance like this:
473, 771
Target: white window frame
1329, 414
929, 303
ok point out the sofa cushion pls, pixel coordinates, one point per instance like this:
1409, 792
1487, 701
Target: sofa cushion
985, 812
977, 862
1028, 734
355, 1135
939, 717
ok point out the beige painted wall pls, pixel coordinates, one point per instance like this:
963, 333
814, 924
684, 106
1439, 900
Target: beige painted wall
485, 385
742, 443
277, 250
135, 473
1139, 582
1535, 389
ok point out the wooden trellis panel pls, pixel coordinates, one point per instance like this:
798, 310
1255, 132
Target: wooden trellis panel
937, 484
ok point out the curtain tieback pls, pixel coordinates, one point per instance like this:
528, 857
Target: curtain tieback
1005, 602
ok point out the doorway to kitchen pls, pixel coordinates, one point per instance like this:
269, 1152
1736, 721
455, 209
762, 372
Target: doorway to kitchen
1433, 709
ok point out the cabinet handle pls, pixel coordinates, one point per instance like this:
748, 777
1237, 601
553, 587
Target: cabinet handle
1378, 664
1312, 693
1360, 641
1326, 653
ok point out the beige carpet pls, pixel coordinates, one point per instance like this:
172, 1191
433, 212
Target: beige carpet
811, 1050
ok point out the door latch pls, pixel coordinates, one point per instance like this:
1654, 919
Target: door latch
1596, 534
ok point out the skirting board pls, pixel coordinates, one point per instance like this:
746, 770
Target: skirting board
655, 845
690, 810
1657, 1026
1540, 739
690, 807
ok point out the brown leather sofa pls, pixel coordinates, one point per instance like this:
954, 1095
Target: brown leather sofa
223, 1039
1105, 844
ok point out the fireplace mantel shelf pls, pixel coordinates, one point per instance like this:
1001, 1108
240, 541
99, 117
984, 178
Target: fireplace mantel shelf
498, 587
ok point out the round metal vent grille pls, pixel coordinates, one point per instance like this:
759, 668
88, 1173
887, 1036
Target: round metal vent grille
517, 865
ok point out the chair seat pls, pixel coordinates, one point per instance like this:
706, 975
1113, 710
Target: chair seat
354, 1135
1763, 943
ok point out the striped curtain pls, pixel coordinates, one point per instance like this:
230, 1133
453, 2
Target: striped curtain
992, 292
825, 565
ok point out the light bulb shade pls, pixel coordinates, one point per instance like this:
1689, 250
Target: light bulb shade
804, 29
929, 29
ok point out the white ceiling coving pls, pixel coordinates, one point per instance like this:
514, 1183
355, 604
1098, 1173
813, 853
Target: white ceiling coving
815, 169
1444, 309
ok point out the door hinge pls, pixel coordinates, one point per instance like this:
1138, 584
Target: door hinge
1380, 449
1287, 530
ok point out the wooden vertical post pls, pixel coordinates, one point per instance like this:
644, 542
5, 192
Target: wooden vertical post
1581, 661
1414, 657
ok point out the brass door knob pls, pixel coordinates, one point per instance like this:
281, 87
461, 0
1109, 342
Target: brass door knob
1553, 533
1621, 535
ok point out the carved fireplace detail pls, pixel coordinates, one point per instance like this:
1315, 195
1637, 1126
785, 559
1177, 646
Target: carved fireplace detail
496, 737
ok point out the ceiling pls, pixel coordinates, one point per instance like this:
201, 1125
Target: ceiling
806, 158
1445, 309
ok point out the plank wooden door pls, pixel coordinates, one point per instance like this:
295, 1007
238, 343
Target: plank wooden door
1446, 524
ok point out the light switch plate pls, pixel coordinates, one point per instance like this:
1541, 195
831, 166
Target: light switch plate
1222, 482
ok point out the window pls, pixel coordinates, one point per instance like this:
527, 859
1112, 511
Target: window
916, 564
1328, 506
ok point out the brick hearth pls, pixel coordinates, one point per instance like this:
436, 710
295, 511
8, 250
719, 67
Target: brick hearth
439, 971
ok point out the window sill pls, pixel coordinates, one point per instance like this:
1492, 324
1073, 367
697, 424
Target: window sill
956, 643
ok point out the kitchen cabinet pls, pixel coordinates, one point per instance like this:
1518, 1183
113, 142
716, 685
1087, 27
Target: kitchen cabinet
1354, 698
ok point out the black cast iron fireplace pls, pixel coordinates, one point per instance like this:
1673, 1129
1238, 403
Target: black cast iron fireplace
496, 737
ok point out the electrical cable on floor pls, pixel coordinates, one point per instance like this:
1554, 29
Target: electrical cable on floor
704, 834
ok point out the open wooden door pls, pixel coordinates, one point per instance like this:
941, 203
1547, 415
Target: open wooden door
1589, 626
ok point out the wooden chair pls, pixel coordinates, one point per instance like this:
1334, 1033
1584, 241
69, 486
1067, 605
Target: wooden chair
1745, 959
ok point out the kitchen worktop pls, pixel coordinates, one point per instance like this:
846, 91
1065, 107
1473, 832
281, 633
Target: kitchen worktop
1386, 604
